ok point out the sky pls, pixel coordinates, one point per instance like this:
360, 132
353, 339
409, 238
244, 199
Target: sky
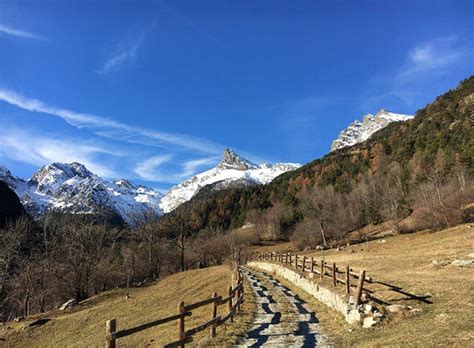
154, 91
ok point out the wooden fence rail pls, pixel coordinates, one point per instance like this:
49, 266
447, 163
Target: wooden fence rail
324, 270
354, 282
186, 336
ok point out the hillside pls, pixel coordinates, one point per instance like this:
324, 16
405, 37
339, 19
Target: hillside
420, 263
438, 141
10, 205
84, 324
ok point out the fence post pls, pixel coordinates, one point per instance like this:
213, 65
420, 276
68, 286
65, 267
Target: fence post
110, 328
212, 331
360, 286
181, 334
322, 270
312, 264
296, 261
304, 263
229, 303
334, 281
348, 284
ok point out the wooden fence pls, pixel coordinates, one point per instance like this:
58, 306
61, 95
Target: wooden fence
346, 276
186, 336
356, 283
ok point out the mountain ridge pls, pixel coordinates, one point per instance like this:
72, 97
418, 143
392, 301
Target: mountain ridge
358, 131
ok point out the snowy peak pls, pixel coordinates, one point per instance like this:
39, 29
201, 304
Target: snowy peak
358, 131
231, 160
72, 188
232, 171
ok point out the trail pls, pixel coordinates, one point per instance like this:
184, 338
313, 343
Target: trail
283, 319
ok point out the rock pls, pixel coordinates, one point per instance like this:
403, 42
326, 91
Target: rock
383, 241
415, 311
351, 251
368, 322
353, 316
462, 263
439, 262
471, 255
18, 319
368, 308
38, 322
378, 315
71, 303
307, 248
397, 308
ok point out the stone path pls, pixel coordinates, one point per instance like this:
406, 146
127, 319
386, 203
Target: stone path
283, 319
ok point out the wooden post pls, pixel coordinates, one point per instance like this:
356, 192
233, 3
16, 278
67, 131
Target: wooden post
110, 328
322, 270
360, 286
312, 264
229, 303
212, 330
334, 281
181, 333
348, 281
304, 263
296, 261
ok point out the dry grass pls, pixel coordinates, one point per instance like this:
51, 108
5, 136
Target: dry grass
84, 325
406, 260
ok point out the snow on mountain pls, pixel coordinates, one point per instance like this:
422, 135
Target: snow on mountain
231, 169
358, 131
72, 188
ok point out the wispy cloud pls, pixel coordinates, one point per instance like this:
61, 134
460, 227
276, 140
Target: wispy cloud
19, 33
27, 147
433, 56
108, 127
149, 168
430, 63
190, 167
125, 53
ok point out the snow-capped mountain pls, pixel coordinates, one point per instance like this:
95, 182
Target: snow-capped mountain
72, 188
232, 170
358, 131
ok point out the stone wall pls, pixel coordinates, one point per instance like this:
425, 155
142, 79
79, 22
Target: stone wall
342, 304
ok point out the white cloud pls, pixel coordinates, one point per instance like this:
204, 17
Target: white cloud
433, 57
190, 167
149, 168
125, 53
110, 128
19, 33
27, 147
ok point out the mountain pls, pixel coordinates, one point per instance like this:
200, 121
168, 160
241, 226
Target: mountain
10, 205
358, 131
232, 171
72, 188
352, 182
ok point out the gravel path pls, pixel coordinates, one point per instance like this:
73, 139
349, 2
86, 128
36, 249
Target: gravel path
283, 319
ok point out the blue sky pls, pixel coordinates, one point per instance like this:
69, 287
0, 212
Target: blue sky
154, 91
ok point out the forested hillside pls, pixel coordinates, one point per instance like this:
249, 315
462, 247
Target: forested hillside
385, 178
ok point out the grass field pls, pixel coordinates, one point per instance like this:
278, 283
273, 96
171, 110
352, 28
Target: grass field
84, 325
406, 260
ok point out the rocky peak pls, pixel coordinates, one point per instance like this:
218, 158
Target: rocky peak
231, 160
359, 131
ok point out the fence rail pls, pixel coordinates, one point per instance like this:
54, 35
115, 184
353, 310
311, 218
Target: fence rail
354, 282
184, 311
325, 270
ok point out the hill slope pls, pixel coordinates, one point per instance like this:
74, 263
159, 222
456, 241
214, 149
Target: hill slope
440, 139
84, 324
